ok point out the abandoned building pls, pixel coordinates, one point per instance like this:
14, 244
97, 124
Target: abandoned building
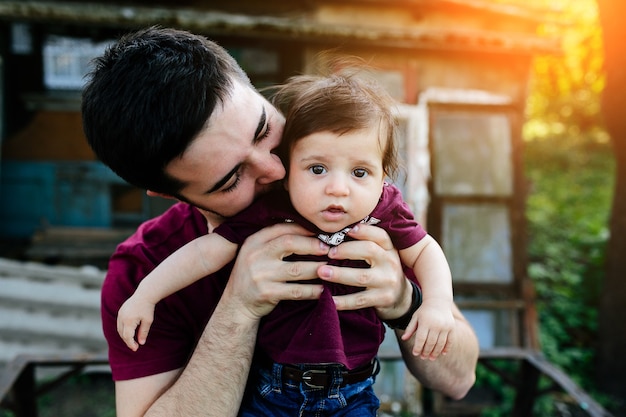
459, 70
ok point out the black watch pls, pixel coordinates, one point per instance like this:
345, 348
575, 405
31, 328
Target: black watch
403, 321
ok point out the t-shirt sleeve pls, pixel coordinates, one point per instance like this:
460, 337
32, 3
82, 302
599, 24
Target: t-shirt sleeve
179, 319
237, 229
398, 219
258, 215
157, 355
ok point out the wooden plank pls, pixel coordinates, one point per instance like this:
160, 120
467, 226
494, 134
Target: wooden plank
49, 309
56, 338
86, 275
11, 349
533, 366
584, 401
76, 243
511, 352
51, 296
491, 304
70, 325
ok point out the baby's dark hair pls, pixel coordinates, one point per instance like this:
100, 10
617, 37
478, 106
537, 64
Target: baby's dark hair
339, 103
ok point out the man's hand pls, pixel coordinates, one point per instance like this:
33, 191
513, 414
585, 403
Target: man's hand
260, 277
386, 288
389, 292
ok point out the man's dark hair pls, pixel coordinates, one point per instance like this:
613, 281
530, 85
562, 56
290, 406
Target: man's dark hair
149, 96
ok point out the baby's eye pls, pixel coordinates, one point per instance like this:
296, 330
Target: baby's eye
317, 169
360, 173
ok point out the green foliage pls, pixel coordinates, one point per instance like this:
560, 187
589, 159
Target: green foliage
571, 171
572, 176
568, 215
87, 395
571, 185
567, 210
565, 89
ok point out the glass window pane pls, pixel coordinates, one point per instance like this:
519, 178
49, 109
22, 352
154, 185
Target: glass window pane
494, 328
472, 153
477, 241
483, 323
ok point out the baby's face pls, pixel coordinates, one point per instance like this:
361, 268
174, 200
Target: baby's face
336, 180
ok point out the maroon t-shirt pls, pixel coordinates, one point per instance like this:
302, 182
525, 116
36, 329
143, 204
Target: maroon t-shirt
314, 331
180, 318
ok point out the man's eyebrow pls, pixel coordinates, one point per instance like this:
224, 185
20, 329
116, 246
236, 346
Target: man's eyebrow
224, 180
261, 124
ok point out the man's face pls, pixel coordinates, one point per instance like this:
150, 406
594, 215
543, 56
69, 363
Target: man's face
231, 161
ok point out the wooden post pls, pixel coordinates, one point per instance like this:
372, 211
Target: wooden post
526, 390
24, 393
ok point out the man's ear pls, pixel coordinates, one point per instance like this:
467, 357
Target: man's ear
151, 193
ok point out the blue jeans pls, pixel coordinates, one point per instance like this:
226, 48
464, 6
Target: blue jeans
269, 395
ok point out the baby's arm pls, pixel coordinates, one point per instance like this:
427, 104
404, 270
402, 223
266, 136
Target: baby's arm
433, 322
195, 260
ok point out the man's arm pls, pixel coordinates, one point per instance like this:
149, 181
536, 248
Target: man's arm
213, 382
454, 373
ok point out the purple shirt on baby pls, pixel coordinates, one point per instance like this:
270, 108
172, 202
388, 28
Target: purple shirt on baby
299, 332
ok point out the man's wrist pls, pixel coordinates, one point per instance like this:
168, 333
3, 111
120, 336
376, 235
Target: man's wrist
416, 301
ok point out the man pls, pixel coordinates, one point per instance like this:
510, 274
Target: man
173, 113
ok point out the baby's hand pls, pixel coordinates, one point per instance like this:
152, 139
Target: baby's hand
135, 315
432, 325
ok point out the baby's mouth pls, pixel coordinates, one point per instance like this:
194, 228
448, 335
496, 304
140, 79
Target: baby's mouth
333, 213
335, 209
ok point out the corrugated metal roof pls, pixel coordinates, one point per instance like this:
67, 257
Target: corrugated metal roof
299, 28
522, 11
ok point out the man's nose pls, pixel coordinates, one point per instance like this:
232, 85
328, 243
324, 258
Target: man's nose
269, 169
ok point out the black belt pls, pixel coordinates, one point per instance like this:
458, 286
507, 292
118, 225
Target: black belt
322, 377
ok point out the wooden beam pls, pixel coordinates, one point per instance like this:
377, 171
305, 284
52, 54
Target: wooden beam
295, 27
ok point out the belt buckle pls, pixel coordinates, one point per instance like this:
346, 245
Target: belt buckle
307, 377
